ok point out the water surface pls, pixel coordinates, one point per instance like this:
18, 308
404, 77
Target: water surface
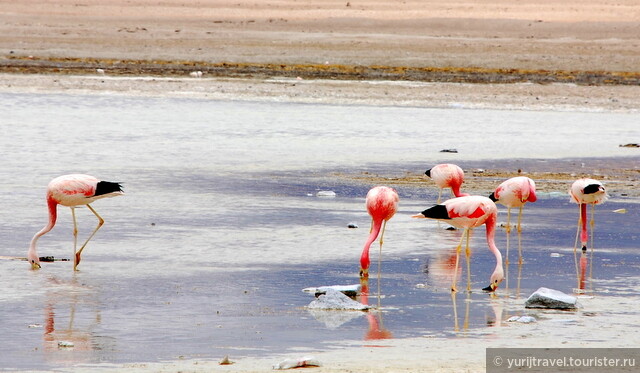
220, 228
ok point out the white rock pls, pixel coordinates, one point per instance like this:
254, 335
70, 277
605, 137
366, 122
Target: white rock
553, 299
350, 290
326, 193
307, 361
335, 300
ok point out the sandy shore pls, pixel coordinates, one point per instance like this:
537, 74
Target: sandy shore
57, 38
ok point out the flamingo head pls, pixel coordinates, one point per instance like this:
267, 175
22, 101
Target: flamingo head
496, 279
33, 260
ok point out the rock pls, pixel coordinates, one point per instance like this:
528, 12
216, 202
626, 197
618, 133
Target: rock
449, 151
225, 361
65, 344
631, 145
335, 300
349, 290
326, 193
352, 225
307, 361
522, 319
552, 299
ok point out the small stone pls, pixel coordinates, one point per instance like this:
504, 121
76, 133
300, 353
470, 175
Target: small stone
352, 225
307, 361
225, 361
551, 299
65, 344
326, 193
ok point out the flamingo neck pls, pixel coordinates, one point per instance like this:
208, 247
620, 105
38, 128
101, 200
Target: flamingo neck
490, 223
53, 215
455, 189
375, 230
584, 235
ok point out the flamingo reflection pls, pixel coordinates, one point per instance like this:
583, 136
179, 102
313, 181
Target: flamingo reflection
374, 318
68, 342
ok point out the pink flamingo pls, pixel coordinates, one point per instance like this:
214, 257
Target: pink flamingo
469, 212
515, 192
382, 204
72, 191
586, 192
447, 175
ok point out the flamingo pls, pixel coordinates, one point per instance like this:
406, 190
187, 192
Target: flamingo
72, 191
382, 204
447, 175
586, 192
469, 212
515, 192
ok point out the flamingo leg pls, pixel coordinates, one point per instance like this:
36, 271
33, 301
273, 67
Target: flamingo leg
384, 225
468, 257
520, 220
100, 223
575, 244
455, 271
439, 196
506, 258
75, 236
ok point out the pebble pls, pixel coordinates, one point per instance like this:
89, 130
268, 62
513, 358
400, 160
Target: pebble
522, 319
65, 344
307, 361
352, 225
326, 193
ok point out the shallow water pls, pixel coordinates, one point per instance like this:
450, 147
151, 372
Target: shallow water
221, 229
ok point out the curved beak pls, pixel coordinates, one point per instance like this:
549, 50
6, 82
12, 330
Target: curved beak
35, 265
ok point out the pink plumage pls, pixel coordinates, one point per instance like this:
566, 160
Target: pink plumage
469, 212
72, 191
382, 204
447, 175
515, 192
586, 192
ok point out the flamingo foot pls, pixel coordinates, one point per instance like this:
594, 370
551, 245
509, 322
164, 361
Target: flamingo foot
76, 262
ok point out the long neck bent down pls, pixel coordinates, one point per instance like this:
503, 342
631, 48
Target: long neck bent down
490, 223
375, 230
584, 236
53, 215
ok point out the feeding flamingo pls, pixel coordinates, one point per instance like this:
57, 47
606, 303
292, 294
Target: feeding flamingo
515, 192
586, 192
382, 204
447, 175
469, 212
72, 191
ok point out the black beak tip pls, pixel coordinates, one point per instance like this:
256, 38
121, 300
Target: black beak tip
488, 289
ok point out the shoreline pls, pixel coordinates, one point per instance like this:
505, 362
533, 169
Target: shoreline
511, 96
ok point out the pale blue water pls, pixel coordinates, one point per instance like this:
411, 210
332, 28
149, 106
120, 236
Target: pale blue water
220, 228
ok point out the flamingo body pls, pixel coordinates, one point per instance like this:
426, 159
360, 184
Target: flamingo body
515, 192
447, 175
469, 212
382, 204
72, 190
586, 192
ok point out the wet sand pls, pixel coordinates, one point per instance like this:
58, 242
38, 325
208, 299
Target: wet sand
44, 45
